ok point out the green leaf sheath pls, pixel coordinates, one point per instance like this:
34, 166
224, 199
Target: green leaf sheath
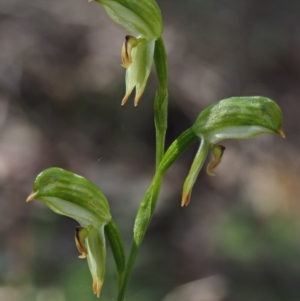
116, 243
148, 204
161, 99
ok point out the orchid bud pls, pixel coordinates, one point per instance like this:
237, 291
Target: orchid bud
232, 118
143, 21
74, 196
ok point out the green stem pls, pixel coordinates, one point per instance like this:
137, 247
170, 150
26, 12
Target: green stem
149, 202
161, 99
129, 267
142, 221
116, 243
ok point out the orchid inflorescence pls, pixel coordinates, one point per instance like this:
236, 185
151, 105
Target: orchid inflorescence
76, 197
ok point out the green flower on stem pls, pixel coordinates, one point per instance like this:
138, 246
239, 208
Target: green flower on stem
137, 60
232, 118
143, 21
74, 196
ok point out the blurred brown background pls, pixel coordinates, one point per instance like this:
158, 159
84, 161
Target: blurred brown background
61, 85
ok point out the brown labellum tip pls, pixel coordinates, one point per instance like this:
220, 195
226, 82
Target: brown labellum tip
80, 235
217, 151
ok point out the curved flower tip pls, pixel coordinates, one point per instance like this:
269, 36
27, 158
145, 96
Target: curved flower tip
128, 45
81, 234
31, 197
217, 151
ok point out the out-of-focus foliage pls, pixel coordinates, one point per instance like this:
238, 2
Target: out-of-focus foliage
60, 88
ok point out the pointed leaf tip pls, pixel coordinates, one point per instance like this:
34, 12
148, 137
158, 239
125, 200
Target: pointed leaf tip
281, 133
31, 197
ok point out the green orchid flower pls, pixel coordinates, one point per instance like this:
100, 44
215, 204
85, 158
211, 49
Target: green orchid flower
76, 197
232, 118
143, 21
